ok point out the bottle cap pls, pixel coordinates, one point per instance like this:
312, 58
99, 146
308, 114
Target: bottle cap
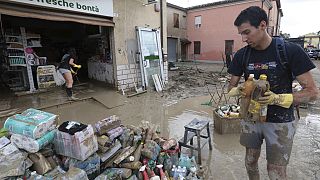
263, 77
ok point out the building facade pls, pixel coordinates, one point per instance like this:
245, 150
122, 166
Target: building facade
130, 14
212, 33
177, 33
104, 35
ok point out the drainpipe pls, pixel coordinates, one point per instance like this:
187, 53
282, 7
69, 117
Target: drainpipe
161, 23
277, 24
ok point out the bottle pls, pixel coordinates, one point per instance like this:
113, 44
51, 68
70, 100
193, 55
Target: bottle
200, 172
262, 86
249, 86
173, 171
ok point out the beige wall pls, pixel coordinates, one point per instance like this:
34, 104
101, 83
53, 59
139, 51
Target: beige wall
177, 33
129, 14
180, 32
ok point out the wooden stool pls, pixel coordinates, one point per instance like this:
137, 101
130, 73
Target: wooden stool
192, 129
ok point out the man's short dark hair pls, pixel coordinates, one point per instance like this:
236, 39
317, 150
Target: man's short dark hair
254, 15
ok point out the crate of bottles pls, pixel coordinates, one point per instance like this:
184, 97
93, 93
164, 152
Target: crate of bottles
227, 119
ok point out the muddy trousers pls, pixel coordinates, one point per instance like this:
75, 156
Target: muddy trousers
69, 92
275, 172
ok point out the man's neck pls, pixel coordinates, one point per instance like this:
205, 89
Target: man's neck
265, 42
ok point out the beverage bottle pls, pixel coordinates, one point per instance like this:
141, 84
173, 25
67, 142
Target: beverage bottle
249, 86
173, 171
200, 172
262, 86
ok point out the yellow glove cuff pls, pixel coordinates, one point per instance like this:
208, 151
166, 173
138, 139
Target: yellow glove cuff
77, 66
254, 107
234, 92
284, 100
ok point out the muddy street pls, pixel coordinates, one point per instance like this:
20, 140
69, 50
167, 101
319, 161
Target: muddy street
189, 95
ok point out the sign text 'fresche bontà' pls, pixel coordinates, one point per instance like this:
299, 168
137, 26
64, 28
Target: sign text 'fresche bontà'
97, 7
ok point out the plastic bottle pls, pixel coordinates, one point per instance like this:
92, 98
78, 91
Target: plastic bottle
192, 175
200, 172
249, 86
262, 86
173, 171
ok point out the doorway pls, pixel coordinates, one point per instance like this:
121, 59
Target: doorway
172, 49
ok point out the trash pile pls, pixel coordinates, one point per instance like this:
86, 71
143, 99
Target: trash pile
229, 110
36, 147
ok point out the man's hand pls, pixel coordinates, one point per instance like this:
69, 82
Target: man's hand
77, 66
270, 98
236, 91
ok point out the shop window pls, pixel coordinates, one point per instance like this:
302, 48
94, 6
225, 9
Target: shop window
197, 47
197, 21
175, 20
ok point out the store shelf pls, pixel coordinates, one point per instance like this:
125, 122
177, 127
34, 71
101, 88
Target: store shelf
22, 65
16, 48
16, 56
15, 42
33, 37
34, 46
12, 36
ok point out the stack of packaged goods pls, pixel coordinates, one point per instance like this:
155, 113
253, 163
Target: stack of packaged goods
73, 150
77, 144
30, 131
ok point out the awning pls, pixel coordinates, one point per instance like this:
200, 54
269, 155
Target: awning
184, 41
53, 15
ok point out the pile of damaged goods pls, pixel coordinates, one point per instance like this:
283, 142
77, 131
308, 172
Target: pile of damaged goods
34, 146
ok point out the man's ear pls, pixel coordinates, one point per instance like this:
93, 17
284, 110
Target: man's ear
263, 25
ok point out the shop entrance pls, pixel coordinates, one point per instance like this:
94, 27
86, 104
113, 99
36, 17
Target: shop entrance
47, 41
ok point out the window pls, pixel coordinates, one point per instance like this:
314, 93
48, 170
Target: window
175, 20
197, 21
197, 47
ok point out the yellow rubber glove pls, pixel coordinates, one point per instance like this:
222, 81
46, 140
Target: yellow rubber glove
236, 91
77, 66
72, 71
254, 107
270, 98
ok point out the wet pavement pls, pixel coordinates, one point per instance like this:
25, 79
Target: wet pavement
171, 113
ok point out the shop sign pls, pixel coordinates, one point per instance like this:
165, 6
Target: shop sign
45, 76
97, 7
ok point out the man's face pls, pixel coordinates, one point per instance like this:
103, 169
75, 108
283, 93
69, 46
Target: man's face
252, 35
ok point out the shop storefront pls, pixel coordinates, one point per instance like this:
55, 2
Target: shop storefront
35, 33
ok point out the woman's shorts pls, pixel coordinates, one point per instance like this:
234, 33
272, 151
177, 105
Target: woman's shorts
278, 138
62, 70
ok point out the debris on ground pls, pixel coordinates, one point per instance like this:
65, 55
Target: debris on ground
37, 148
189, 81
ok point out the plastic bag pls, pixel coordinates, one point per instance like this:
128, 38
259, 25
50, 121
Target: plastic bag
58, 78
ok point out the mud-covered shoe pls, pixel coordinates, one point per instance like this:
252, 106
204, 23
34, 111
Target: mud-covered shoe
72, 98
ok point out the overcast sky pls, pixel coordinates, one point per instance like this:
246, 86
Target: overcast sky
300, 16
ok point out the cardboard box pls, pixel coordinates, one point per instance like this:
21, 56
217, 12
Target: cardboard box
226, 125
80, 146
